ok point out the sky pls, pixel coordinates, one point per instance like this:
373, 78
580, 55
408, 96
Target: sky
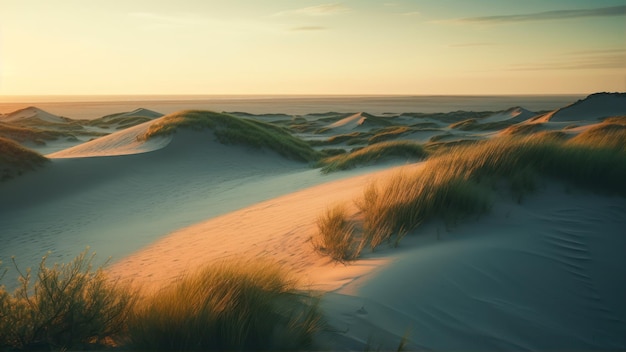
358, 47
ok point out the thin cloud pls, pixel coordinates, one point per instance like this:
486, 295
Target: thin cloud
318, 10
412, 13
308, 29
158, 20
597, 60
543, 16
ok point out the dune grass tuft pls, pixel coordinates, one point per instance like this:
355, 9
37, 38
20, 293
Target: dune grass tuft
230, 129
232, 305
63, 306
336, 235
373, 153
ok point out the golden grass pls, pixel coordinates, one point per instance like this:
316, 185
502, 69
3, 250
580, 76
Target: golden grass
336, 235
458, 181
232, 305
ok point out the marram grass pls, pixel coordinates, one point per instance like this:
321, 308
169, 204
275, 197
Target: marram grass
458, 182
336, 235
232, 305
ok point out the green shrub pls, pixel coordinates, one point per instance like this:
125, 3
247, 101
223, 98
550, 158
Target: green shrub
67, 306
227, 306
373, 153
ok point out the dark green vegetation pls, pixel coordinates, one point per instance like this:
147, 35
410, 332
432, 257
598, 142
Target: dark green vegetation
458, 181
28, 134
15, 159
227, 306
232, 130
66, 306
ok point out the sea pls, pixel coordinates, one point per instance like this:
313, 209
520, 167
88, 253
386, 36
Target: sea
91, 107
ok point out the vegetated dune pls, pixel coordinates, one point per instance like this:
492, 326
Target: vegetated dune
139, 112
15, 159
593, 108
358, 122
119, 203
119, 143
32, 113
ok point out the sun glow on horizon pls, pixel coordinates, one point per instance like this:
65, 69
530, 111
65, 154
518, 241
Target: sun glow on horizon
279, 47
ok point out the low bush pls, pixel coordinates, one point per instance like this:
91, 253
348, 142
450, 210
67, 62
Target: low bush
65, 306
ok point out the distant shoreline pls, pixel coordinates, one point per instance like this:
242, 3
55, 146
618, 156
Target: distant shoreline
90, 107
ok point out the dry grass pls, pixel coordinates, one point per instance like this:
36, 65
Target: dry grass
336, 235
608, 135
228, 306
458, 182
15, 159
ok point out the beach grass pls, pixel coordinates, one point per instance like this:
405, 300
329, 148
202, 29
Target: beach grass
233, 130
336, 236
458, 181
63, 306
609, 134
373, 153
232, 305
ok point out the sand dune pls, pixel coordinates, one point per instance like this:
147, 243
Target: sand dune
118, 204
543, 274
32, 113
535, 276
592, 108
513, 115
119, 143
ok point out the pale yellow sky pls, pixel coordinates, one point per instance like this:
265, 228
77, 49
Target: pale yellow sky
311, 47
